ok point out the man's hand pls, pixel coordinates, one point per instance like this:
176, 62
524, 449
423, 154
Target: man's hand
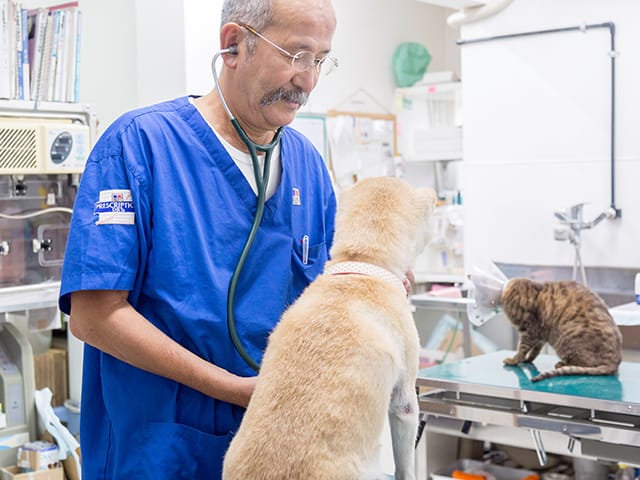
246, 387
408, 281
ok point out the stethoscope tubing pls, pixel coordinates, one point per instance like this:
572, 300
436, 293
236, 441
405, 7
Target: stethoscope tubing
262, 180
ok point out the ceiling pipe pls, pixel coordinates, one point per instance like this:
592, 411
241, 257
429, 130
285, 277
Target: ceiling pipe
472, 14
612, 54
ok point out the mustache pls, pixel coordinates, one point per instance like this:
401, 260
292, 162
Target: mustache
295, 95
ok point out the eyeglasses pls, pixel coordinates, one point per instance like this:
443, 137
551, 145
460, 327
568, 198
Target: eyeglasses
302, 61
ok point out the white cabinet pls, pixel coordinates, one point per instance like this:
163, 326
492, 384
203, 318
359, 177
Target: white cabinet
429, 135
430, 122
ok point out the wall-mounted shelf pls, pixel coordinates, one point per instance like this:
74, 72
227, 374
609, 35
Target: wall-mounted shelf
430, 122
29, 297
432, 160
432, 277
457, 4
424, 90
435, 144
82, 112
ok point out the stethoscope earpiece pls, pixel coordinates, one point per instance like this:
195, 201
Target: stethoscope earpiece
233, 50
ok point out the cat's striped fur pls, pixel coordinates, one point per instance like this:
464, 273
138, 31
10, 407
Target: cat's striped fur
573, 319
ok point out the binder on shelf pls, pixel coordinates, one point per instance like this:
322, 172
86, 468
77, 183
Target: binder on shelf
5, 50
39, 51
60, 82
17, 18
45, 62
70, 55
23, 59
53, 62
75, 88
15, 45
37, 20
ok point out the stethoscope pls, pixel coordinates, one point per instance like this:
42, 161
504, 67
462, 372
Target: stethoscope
262, 179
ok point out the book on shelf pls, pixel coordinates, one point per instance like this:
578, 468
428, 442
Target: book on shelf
23, 58
75, 87
53, 53
57, 54
39, 51
42, 81
9, 34
18, 47
5, 50
71, 57
37, 20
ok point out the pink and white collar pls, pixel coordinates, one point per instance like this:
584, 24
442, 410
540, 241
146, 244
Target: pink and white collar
363, 268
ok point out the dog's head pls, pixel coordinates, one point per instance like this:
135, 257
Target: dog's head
383, 220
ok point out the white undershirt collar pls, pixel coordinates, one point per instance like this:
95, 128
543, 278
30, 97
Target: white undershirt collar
244, 163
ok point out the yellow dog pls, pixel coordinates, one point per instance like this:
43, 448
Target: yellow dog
345, 354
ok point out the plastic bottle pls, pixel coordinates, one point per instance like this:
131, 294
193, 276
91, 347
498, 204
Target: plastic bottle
624, 472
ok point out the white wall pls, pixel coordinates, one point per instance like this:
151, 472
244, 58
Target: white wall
160, 50
202, 23
132, 54
367, 34
536, 133
135, 53
108, 58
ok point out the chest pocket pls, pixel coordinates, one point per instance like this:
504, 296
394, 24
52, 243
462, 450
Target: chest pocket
307, 262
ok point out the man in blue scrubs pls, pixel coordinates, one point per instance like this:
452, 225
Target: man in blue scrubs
161, 215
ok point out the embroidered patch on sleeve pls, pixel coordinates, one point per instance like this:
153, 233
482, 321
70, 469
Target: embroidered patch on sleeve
115, 207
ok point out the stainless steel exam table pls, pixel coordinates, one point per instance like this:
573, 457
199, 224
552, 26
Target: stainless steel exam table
480, 398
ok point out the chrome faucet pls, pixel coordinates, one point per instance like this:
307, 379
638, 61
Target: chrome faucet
571, 225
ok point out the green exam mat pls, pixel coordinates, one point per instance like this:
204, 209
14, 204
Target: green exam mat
489, 371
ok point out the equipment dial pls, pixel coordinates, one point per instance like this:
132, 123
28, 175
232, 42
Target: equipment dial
61, 147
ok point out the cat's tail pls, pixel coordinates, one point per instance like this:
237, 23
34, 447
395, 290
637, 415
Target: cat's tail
576, 370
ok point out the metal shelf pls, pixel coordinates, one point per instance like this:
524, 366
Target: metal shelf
457, 4
81, 112
29, 297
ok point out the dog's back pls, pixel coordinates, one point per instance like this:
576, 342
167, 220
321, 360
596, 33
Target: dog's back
336, 358
325, 383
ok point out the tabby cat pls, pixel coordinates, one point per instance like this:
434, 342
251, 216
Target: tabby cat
574, 320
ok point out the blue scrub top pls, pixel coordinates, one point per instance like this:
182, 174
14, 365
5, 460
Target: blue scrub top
163, 212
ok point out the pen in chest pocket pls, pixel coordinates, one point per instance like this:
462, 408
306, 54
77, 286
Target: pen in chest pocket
305, 249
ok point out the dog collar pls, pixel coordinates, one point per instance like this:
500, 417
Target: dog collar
363, 268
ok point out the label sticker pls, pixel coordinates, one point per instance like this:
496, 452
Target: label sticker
115, 207
296, 197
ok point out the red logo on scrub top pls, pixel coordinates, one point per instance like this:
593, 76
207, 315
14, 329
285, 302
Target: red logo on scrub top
296, 196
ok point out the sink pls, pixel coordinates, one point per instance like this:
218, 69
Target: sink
613, 284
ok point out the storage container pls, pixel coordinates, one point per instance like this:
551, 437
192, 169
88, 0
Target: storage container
496, 472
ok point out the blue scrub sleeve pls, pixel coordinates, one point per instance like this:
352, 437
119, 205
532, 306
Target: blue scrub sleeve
106, 254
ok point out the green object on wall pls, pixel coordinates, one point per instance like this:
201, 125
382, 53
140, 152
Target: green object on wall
410, 62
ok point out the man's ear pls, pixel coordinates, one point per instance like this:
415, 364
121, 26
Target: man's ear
230, 36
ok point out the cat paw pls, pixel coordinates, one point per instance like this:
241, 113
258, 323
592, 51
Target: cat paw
511, 361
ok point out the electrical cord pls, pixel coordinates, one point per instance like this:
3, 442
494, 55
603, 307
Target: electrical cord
37, 213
